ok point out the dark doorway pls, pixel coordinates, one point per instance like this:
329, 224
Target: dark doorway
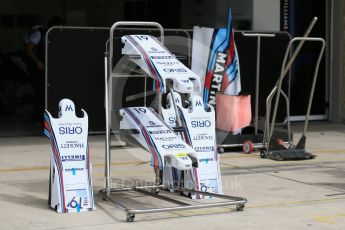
167, 13
296, 16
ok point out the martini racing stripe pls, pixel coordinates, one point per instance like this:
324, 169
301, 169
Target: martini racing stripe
156, 156
48, 130
158, 80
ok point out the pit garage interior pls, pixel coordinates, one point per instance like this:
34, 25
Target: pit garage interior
281, 194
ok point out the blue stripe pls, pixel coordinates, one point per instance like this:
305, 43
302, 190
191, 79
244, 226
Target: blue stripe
206, 93
59, 169
147, 60
148, 141
220, 41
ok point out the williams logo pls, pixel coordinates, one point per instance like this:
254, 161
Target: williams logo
69, 108
74, 170
206, 160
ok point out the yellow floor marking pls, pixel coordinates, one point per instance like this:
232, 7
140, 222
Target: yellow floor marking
39, 168
303, 202
117, 173
121, 163
241, 156
328, 219
335, 151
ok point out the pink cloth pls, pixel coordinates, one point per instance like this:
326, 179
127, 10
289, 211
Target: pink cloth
233, 112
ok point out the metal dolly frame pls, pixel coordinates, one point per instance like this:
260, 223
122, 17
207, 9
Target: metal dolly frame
239, 202
291, 150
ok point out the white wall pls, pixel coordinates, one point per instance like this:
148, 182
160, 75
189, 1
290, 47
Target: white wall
266, 15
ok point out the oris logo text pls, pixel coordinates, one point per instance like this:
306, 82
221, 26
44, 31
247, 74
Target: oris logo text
70, 130
201, 124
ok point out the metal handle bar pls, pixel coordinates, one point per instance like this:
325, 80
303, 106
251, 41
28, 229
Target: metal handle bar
258, 35
286, 67
277, 88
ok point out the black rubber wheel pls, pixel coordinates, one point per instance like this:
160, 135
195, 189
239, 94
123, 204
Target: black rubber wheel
262, 154
155, 191
240, 207
220, 150
130, 217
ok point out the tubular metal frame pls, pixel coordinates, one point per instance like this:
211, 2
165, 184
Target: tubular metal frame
285, 68
277, 91
239, 202
257, 83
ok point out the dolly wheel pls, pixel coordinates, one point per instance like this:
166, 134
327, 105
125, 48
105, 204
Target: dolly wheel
130, 217
220, 150
239, 207
248, 147
155, 191
263, 154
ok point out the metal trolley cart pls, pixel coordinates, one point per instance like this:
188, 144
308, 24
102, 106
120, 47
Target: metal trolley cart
152, 190
272, 139
274, 148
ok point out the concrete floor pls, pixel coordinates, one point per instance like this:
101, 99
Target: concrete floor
281, 195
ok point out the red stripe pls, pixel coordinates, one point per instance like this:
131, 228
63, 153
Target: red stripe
60, 171
231, 50
147, 138
147, 60
208, 79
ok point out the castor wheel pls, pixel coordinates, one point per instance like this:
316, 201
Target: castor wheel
248, 147
130, 217
262, 154
240, 207
155, 191
220, 150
